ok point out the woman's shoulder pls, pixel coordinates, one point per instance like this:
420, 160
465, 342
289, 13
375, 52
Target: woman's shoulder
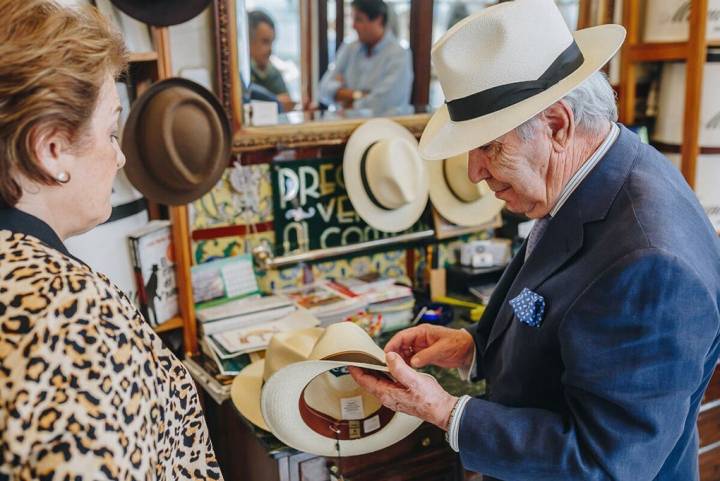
38, 282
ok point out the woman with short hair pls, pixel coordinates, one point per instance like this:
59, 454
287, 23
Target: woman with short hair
87, 390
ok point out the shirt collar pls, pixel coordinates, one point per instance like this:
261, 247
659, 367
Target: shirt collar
377, 48
15, 220
585, 169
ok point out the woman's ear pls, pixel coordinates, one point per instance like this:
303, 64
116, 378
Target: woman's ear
561, 121
50, 147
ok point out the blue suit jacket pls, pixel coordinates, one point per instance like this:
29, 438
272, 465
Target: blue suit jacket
609, 385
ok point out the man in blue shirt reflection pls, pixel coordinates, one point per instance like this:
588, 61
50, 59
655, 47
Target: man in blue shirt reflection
375, 71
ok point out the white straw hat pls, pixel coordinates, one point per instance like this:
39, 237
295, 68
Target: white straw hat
315, 405
385, 177
284, 348
456, 197
502, 66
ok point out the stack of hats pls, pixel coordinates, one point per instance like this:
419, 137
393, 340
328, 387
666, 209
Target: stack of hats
302, 393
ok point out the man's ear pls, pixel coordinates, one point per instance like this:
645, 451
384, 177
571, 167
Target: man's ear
561, 121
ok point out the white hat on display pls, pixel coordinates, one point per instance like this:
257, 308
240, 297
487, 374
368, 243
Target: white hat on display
385, 178
456, 197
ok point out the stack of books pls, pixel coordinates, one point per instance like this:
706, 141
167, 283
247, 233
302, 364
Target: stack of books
232, 330
326, 302
390, 302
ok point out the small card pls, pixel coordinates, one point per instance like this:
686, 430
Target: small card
263, 113
352, 408
371, 424
239, 278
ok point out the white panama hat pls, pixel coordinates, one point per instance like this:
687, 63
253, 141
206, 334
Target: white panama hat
315, 405
284, 348
385, 177
456, 197
502, 66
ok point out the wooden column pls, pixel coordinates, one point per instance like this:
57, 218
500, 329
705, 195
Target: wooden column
697, 52
421, 15
322, 23
628, 77
339, 23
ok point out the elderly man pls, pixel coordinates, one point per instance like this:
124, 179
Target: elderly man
602, 334
375, 71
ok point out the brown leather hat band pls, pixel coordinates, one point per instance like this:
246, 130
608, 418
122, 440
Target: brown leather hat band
343, 430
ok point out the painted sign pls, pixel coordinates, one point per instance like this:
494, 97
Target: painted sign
312, 209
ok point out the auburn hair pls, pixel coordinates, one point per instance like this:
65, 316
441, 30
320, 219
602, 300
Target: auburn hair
53, 63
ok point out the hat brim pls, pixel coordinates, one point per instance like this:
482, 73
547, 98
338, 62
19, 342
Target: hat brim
443, 138
245, 393
282, 414
395, 220
162, 13
455, 210
135, 167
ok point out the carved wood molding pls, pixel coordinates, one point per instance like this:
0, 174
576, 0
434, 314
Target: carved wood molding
312, 134
222, 55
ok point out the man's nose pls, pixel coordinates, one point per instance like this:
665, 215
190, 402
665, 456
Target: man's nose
477, 166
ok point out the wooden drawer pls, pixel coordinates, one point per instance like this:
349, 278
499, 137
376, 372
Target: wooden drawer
427, 438
433, 465
713, 390
709, 426
710, 465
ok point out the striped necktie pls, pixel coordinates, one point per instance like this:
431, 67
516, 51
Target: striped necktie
536, 234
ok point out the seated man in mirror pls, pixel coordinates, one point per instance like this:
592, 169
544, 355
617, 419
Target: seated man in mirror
262, 72
375, 71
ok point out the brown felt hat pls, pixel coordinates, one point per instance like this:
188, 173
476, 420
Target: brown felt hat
163, 13
177, 142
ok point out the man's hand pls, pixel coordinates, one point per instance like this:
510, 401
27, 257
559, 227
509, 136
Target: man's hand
413, 393
428, 344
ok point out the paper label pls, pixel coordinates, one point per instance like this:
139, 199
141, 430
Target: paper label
352, 408
239, 278
371, 424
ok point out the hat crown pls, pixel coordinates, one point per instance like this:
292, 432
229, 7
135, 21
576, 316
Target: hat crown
289, 347
499, 46
455, 170
349, 342
393, 171
187, 137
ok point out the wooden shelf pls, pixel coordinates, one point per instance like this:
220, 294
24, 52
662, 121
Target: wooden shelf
658, 52
170, 325
136, 57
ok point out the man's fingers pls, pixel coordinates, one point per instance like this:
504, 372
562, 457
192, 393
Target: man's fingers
427, 356
404, 374
373, 384
407, 340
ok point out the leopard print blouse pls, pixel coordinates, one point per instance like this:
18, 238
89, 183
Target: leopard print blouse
87, 390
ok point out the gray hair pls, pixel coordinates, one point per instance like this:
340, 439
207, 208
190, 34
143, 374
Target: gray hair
593, 103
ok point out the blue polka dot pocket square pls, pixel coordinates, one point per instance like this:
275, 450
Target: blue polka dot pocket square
529, 307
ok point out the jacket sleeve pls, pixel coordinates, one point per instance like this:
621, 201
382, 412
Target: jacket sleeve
636, 346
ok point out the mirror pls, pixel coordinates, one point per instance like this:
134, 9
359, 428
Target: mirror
292, 64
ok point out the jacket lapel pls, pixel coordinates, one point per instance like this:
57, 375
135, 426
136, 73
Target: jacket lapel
563, 237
